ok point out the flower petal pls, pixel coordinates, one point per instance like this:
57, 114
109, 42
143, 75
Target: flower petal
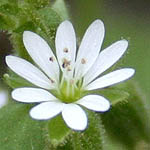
46, 110
42, 54
31, 95
74, 116
94, 102
28, 71
106, 59
89, 48
111, 78
66, 45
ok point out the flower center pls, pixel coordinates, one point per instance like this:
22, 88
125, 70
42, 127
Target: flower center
69, 91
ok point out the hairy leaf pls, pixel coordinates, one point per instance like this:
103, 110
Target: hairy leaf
58, 130
90, 139
38, 3
60, 7
93, 137
18, 130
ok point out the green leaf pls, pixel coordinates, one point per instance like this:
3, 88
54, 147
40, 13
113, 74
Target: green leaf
38, 3
93, 137
50, 17
44, 22
24, 27
90, 139
127, 121
18, 131
9, 9
60, 7
58, 130
18, 46
63, 138
8, 16
49, 20
20, 16
2, 2
6, 22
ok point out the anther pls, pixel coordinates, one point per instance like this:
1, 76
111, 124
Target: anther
52, 81
66, 50
66, 63
83, 61
51, 59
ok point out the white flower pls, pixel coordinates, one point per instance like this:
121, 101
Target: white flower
69, 78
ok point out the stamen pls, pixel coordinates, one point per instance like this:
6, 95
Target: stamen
52, 81
66, 63
83, 61
51, 59
66, 50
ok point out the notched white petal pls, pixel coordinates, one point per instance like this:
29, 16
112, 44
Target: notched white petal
42, 54
89, 48
95, 103
66, 45
28, 71
32, 95
74, 116
111, 78
46, 110
106, 59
